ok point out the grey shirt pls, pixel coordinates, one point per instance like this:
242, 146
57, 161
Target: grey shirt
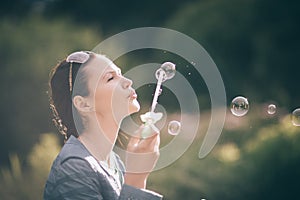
76, 174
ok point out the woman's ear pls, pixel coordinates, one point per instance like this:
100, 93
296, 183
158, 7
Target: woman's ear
82, 104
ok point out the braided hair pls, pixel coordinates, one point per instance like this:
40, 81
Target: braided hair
60, 97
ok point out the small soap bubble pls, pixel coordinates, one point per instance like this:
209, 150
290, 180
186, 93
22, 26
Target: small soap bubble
174, 127
189, 73
239, 106
271, 109
193, 63
296, 117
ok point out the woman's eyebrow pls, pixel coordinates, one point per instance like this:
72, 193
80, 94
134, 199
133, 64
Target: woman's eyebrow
113, 72
114, 69
118, 72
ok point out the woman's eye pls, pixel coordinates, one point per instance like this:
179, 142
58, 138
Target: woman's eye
110, 78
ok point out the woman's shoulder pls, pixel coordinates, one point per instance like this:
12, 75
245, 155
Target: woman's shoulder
72, 158
73, 148
73, 162
71, 176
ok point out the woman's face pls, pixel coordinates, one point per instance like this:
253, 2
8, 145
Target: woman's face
112, 93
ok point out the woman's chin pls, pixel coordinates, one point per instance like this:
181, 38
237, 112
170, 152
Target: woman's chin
134, 106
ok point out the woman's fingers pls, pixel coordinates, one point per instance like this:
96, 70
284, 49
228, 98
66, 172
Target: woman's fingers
149, 144
144, 145
142, 153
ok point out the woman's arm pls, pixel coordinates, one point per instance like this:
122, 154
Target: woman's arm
140, 159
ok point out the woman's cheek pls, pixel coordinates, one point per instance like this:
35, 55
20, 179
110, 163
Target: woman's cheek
103, 100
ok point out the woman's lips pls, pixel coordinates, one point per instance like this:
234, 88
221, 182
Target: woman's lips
133, 95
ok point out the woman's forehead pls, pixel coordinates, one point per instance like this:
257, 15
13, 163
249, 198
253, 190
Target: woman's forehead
112, 68
101, 64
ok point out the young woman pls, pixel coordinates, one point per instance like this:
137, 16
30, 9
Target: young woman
89, 98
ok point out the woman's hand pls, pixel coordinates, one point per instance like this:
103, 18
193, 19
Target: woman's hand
141, 157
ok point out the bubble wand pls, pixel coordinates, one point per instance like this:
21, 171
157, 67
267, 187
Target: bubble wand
165, 72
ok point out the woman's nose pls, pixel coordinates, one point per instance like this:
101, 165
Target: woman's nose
126, 83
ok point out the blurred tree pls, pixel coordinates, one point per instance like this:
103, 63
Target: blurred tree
14, 8
21, 181
254, 44
262, 164
114, 16
29, 48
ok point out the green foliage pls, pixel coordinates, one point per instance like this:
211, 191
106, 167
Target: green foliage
254, 44
246, 163
42, 154
29, 48
115, 16
27, 182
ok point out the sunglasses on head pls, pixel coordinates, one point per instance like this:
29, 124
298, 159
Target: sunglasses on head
79, 57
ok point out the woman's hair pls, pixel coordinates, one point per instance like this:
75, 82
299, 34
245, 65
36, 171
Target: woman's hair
60, 96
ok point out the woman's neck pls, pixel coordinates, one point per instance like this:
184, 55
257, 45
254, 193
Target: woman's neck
99, 136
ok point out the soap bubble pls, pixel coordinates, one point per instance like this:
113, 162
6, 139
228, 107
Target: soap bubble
168, 69
239, 106
174, 127
271, 109
296, 117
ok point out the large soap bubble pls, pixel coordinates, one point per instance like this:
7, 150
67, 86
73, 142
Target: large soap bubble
168, 71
